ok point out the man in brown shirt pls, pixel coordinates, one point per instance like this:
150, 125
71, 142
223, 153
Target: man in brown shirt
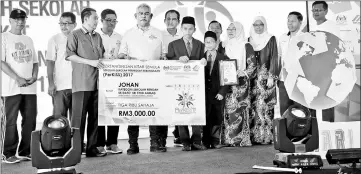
85, 50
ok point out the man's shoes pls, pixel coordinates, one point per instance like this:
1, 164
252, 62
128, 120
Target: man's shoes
95, 153
133, 149
218, 146
25, 158
177, 142
157, 149
114, 149
101, 149
162, 145
186, 147
155, 146
11, 160
198, 147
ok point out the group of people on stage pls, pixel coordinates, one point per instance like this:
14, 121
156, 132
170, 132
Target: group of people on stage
237, 115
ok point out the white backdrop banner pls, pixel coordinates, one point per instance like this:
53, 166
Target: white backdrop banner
157, 92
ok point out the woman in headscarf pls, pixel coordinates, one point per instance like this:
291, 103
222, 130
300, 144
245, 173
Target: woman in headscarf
238, 105
263, 86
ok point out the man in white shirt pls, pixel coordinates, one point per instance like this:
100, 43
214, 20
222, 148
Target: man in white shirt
58, 69
294, 22
172, 33
111, 42
143, 42
319, 12
19, 66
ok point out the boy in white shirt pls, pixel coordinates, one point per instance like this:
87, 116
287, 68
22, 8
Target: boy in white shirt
19, 64
58, 69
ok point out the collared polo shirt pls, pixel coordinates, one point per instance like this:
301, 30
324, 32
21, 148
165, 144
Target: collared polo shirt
143, 45
62, 70
111, 44
283, 45
168, 38
88, 46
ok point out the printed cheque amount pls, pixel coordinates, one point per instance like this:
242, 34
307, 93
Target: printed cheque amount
136, 113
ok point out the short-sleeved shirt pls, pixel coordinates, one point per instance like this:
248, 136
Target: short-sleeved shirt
168, 38
88, 46
111, 44
143, 45
62, 69
19, 53
283, 45
328, 26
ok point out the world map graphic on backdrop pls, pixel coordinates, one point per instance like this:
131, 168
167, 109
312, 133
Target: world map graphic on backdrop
321, 70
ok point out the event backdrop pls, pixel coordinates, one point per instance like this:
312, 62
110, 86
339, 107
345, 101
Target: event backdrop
345, 131
44, 15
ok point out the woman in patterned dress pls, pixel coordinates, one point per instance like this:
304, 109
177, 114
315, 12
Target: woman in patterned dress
238, 105
263, 86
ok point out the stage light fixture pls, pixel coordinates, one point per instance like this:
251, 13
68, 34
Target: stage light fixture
294, 134
56, 147
345, 156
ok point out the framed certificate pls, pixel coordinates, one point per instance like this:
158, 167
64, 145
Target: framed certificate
228, 72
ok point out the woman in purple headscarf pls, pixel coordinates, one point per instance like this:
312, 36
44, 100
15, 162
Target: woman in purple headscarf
263, 86
238, 105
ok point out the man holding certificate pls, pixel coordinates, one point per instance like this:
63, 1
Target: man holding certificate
142, 42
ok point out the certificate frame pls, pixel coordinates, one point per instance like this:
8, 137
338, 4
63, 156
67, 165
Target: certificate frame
228, 72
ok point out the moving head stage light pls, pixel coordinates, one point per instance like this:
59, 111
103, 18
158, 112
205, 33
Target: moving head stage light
296, 133
56, 148
345, 156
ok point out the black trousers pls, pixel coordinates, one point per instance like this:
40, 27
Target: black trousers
176, 132
162, 131
111, 137
62, 103
214, 119
133, 133
196, 135
27, 105
83, 103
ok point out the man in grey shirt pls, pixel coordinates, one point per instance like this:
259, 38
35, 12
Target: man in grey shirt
85, 50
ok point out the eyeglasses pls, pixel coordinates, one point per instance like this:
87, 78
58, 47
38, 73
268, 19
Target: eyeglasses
317, 10
20, 20
258, 25
231, 29
65, 24
111, 21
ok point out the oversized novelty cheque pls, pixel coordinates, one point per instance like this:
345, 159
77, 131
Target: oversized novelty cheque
156, 92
